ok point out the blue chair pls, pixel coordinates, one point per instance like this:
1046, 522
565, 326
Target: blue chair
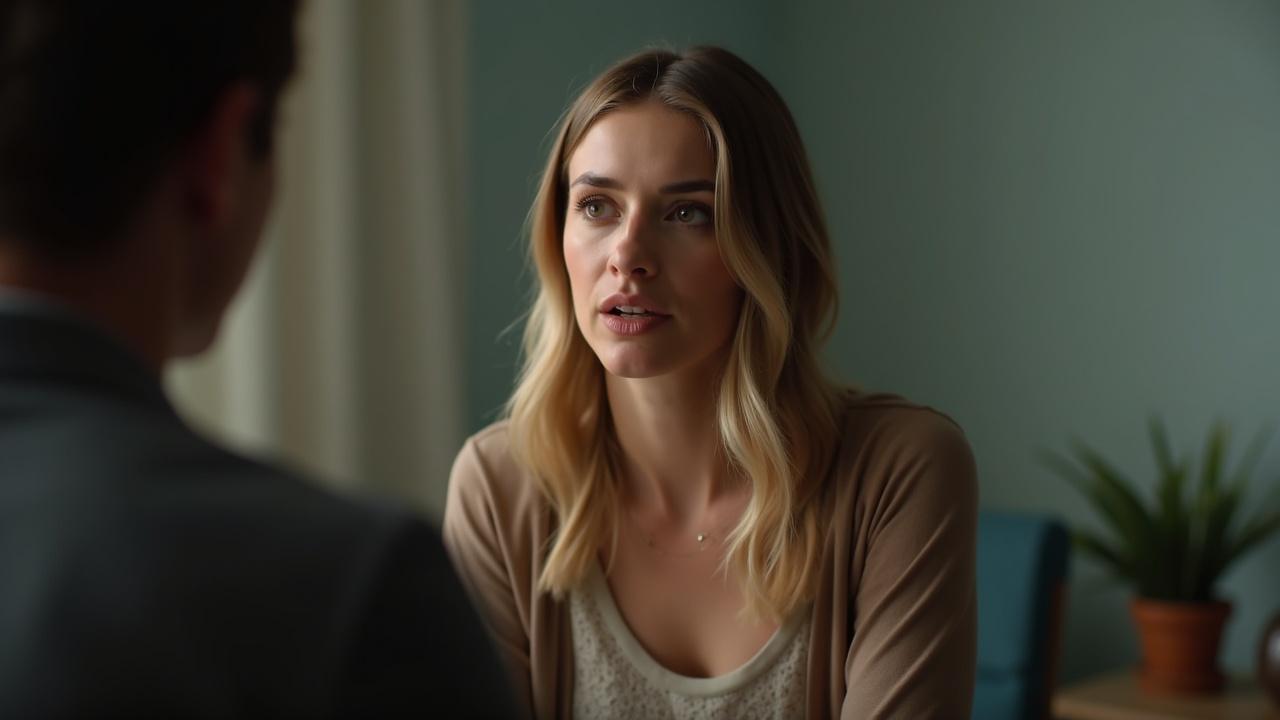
1022, 572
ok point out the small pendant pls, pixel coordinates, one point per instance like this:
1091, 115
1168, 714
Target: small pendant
701, 537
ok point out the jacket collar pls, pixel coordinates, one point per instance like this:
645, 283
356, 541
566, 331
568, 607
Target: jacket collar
48, 343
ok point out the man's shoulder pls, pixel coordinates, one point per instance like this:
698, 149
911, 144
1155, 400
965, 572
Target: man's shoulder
164, 457
144, 472
272, 500
265, 570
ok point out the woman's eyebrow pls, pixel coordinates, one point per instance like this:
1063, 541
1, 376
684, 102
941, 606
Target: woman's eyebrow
684, 186
594, 180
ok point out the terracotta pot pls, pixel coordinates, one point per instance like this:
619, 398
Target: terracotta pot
1180, 645
1269, 660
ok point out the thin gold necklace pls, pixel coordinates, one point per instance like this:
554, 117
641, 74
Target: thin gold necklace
705, 539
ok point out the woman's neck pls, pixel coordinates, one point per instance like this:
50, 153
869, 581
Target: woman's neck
667, 430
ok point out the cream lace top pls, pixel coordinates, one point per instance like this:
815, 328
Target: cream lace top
614, 677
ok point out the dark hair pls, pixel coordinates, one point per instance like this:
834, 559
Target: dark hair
96, 95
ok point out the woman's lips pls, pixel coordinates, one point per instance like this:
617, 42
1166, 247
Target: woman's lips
632, 324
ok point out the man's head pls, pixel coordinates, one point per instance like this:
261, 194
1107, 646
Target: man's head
135, 117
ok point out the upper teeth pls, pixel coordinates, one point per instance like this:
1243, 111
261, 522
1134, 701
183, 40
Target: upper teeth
631, 309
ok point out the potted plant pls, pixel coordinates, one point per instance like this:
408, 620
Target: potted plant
1174, 548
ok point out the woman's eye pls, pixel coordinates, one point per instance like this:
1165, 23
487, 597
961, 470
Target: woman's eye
691, 215
594, 208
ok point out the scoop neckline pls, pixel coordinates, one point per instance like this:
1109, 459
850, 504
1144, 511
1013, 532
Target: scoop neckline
597, 589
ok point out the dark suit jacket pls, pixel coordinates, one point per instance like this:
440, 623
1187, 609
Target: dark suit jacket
147, 572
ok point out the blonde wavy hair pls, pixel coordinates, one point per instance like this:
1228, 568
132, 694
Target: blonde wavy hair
777, 413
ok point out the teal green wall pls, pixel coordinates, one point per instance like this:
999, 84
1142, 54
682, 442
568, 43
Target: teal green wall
1052, 219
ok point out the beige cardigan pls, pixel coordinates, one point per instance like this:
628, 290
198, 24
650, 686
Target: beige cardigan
893, 633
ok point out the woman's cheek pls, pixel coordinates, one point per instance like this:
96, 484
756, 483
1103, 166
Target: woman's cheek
578, 262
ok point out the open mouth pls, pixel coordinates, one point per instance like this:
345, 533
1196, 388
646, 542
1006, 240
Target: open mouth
629, 320
631, 311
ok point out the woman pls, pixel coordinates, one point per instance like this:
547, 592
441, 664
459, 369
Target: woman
681, 517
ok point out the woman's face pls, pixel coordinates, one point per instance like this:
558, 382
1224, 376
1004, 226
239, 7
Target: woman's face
650, 292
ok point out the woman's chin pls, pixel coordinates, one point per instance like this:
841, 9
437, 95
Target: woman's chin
634, 370
634, 363
630, 362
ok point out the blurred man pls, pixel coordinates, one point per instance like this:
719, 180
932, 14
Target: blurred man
143, 570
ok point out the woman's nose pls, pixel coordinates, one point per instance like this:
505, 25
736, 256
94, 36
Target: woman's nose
633, 255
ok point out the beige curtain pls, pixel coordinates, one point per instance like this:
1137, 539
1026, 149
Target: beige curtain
341, 357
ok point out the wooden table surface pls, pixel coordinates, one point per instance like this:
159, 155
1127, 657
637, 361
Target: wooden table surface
1118, 697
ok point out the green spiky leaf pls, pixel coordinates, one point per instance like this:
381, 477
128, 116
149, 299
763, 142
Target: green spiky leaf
1178, 546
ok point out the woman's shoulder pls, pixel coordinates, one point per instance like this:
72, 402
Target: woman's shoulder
890, 416
490, 447
891, 443
487, 472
